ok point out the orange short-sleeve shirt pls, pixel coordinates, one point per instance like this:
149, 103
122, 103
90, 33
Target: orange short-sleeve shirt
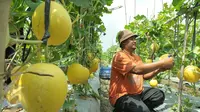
122, 81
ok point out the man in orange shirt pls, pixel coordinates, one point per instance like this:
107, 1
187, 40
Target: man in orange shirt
126, 92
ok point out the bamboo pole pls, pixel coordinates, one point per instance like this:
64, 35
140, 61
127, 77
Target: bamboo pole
162, 4
182, 66
4, 34
154, 9
125, 11
134, 8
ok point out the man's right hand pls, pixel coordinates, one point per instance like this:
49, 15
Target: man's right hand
168, 63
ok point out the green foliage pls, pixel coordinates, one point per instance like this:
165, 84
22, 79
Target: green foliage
177, 3
87, 28
108, 55
156, 30
85, 37
82, 3
186, 107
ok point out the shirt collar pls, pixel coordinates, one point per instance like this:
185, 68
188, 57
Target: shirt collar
126, 52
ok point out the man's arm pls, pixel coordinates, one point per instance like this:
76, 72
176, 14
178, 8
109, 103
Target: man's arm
154, 73
166, 63
151, 74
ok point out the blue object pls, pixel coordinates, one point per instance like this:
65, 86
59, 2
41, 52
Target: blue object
105, 72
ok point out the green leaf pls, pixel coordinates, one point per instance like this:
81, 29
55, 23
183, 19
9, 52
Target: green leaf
69, 105
177, 3
140, 17
102, 27
109, 2
81, 3
32, 5
182, 11
12, 28
197, 1
196, 50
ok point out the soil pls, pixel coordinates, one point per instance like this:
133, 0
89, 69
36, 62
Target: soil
186, 87
105, 104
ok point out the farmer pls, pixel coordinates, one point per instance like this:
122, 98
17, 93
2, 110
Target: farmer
126, 92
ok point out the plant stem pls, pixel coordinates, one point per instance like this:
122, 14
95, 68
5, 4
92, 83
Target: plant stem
14, 41
194, 89
46, 54
182, 66
169, 75
190, 10
39, 53
194, 32
4, 34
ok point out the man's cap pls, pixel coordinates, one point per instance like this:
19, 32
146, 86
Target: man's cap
125, 34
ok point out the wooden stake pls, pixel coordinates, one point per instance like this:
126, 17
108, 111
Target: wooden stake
182, 66
4, 34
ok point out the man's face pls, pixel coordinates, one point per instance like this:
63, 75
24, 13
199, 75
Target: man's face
131, 43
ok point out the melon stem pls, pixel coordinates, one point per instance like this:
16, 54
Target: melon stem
14, 41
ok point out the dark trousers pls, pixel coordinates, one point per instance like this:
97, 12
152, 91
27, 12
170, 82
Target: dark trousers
144, 102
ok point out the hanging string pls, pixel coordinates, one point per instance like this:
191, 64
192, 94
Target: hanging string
194, 31
176, 34
46, 20
25, 51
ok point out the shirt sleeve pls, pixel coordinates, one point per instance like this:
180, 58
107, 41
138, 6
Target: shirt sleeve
122, 63
139, 60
